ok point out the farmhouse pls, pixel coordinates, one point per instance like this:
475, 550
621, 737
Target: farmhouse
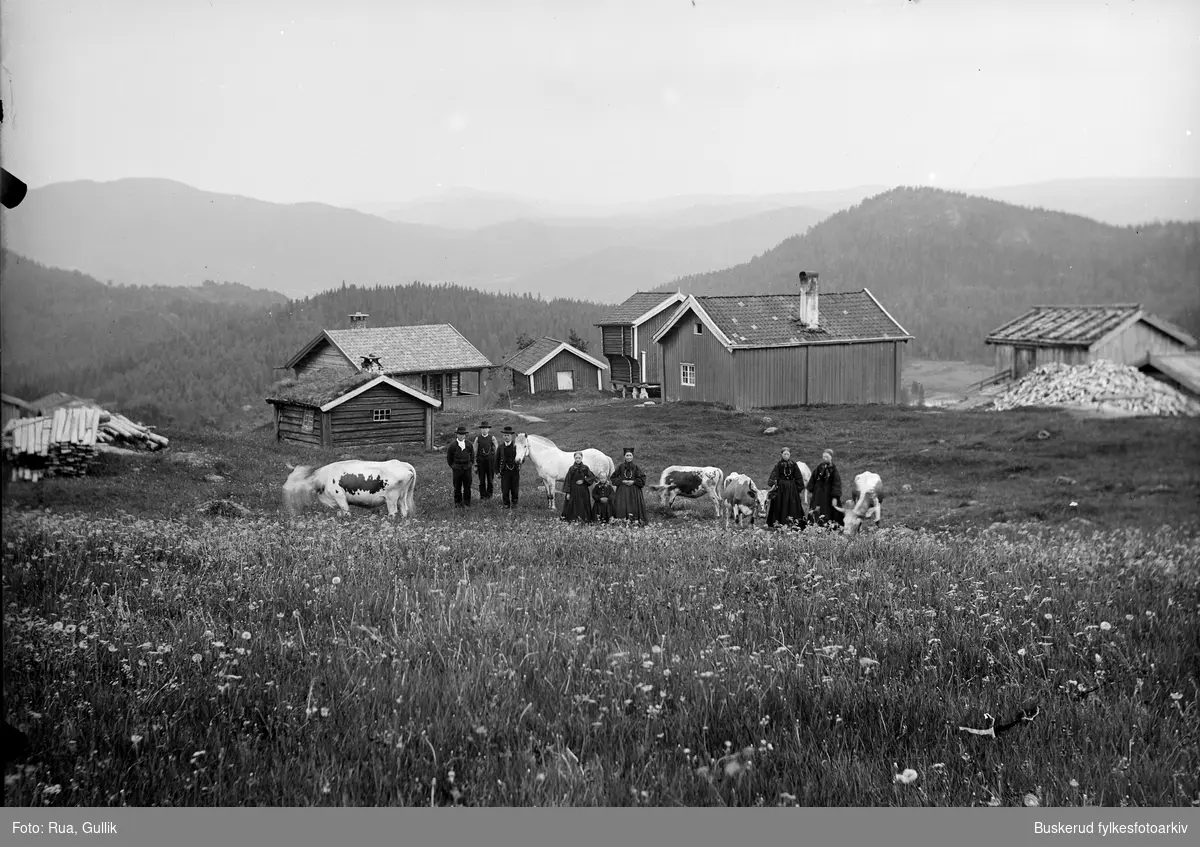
1124, 333
782, 350
432, 358
626, 333
14, 408
552, 365
368, 409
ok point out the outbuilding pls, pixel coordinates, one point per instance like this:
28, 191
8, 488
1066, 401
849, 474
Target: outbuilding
552, 365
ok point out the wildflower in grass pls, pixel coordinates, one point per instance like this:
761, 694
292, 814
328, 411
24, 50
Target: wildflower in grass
337, 580
1021, 651
1032, 800
906, 777
733, 767
1129, 617
136, 739
197, 658
1074, 783
1105, 625
1048, 616
112, 648
938, 767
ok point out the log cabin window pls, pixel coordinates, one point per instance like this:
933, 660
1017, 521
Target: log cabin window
687, 374
378, 415
306, 425
699, 328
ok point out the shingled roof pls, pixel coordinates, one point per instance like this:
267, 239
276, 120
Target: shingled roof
636, 306
403, 349
772, 320
1077, 326
317, 392
526, 361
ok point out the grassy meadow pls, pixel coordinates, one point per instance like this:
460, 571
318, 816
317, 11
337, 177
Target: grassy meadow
159, 652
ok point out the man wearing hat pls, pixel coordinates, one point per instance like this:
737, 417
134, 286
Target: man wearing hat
486, 449
460, 457
510, 469
629, 480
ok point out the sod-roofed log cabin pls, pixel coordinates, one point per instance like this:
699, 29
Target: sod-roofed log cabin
435, 359
552, 365
1123, 333
767, 351
626, 333
362, 410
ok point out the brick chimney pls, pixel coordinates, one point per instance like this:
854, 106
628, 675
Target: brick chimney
358, 320
809, 311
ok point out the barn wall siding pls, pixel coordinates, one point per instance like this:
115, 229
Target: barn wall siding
645, 333
715, 380
324, 361
771, 377
291, 421
1134, 343
545, 378
611, 340
852, 373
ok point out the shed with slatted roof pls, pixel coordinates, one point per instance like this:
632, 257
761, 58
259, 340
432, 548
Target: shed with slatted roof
1124, 333
776, 350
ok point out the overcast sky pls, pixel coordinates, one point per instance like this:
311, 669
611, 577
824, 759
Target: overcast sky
348, 101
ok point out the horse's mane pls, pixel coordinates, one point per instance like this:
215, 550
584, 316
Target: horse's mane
531, 436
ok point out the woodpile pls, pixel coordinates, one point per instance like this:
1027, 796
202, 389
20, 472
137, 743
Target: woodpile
1101, 385
66, 441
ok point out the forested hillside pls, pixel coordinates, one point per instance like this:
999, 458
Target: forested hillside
951, 267
201, 354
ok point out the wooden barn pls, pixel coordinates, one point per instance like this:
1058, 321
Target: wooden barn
769, 351
435, 359
14, 408
552, 365
1074, 335
1178, 370
363, 410
627, 332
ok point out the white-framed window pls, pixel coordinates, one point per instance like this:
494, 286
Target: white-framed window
699, 328
306, 425
378, 415
687, 373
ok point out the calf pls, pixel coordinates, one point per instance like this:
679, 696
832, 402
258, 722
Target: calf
691, 482
867, 495
743, 498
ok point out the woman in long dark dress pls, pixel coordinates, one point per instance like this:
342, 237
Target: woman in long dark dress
629, 480
786, 486
602, 499
825, 488
577, 505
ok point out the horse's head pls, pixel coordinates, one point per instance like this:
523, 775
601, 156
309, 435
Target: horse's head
522, 444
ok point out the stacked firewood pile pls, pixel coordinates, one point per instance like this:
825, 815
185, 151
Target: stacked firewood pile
120, 431
62, 444
1097, 384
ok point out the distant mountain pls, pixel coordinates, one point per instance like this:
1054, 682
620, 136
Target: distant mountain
201, 354
951, 267
1121, 202
158, 232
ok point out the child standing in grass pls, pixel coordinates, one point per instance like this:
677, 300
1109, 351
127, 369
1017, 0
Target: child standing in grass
602, 496
825, 487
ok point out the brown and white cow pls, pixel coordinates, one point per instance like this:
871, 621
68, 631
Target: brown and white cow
743, 498
691, 482
867, 494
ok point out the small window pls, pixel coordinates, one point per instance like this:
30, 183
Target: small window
699, 328
687, 374
306, 425
378, 415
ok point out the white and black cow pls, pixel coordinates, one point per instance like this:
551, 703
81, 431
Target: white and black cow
691, 482
743, 498
353, 483
867, 495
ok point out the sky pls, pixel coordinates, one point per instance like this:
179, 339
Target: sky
360, 101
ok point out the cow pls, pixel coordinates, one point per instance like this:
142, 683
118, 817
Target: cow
742, 497
867, 495
691, 482
358, 483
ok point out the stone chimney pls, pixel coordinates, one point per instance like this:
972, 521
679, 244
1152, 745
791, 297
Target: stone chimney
358, 320
808, 312
371, 365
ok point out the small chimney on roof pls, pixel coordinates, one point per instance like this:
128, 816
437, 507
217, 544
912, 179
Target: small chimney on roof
809, 312
370, 364
358, 320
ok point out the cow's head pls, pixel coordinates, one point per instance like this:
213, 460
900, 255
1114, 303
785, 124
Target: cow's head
760, 501
299, 488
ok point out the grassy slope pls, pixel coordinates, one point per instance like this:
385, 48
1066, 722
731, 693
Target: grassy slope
516, 662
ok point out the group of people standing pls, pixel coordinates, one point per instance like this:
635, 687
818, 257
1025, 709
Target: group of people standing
794, 503
592, 498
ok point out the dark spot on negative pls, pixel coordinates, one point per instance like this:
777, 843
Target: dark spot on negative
354, 483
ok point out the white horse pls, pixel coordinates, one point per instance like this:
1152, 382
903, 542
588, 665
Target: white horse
552, 464
358, 483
